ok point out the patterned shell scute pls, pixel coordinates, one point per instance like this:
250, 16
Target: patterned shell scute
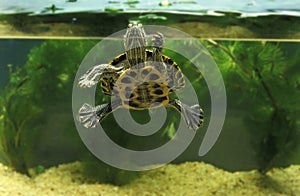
145, 84
142, 88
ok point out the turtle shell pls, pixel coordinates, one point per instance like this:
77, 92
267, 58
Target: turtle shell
150, 86
142, 88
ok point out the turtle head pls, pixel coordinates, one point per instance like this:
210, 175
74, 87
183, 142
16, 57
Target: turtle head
135, 44
135, 36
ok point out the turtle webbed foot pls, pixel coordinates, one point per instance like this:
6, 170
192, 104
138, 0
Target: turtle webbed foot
90, 116
92, 76
193, 116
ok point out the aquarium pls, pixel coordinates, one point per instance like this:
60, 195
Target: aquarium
149, 98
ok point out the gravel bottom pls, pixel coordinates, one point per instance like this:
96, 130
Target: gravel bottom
191, 178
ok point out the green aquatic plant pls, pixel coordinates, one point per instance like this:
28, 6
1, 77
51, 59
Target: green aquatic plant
14, 119
263, 81
37, 127
36, 93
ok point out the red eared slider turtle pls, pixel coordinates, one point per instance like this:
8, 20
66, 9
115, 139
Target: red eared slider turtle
138, 79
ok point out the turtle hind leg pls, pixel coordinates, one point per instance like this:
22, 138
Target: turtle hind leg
193, 115
91, 117
93, 75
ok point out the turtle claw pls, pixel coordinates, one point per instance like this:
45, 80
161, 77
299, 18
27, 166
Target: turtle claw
83, 83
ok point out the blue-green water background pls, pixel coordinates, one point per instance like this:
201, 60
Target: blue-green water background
13, 52
233, 151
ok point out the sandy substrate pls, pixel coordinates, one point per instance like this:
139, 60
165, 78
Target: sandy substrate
192, 178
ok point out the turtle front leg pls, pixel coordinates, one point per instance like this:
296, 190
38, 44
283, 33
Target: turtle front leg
158, 44
91, 117
92, 76
193, 115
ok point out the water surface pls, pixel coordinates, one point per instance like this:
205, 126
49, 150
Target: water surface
245, 8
